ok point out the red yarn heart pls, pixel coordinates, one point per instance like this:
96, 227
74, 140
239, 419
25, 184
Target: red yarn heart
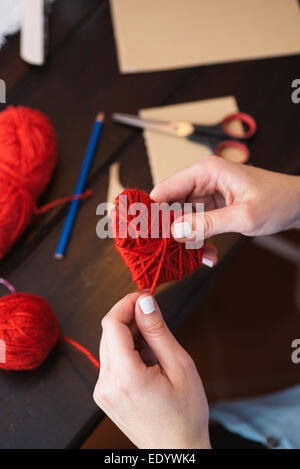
151, 261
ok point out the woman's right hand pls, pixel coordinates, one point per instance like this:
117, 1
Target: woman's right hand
237, 198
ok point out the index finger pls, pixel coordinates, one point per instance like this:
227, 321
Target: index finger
200, 177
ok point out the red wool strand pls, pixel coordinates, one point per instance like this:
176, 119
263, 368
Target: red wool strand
64, 200
83, 350
151, 261
28, 155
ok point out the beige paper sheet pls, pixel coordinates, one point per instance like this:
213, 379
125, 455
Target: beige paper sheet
114, 185
169, 154
165, 34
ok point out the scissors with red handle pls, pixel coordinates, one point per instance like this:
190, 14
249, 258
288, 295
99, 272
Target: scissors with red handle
216, 137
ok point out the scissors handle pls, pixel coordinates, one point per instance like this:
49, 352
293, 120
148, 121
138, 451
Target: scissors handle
245, 119
217, 145
243, 154
218, 137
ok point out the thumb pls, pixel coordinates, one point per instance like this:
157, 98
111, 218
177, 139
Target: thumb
158, 336
200, 226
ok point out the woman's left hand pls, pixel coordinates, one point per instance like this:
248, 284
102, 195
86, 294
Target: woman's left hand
148, 384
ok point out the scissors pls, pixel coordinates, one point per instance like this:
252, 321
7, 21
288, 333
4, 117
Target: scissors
216, 137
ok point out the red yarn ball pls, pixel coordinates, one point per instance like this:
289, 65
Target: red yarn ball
28, 155
28, 331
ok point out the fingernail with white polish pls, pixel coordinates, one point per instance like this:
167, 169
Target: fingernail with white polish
207, 262
182, 229
147, 305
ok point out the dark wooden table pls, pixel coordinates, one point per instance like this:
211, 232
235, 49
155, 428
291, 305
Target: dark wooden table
52, 407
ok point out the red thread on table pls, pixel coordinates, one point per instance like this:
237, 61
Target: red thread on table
83, 350
28, 331
152, 261
64, 200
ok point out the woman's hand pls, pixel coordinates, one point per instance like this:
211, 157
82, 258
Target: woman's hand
237, 198
148, 384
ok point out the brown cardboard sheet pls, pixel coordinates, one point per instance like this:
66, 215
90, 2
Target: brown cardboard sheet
164, 34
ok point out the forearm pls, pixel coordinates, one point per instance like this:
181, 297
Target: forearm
295, 220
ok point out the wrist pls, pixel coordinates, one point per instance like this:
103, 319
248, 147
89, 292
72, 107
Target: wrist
203, 442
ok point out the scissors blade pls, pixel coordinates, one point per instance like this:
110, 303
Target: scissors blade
175, 128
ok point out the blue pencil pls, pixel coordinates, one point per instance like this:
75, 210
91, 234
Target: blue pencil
88, 158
